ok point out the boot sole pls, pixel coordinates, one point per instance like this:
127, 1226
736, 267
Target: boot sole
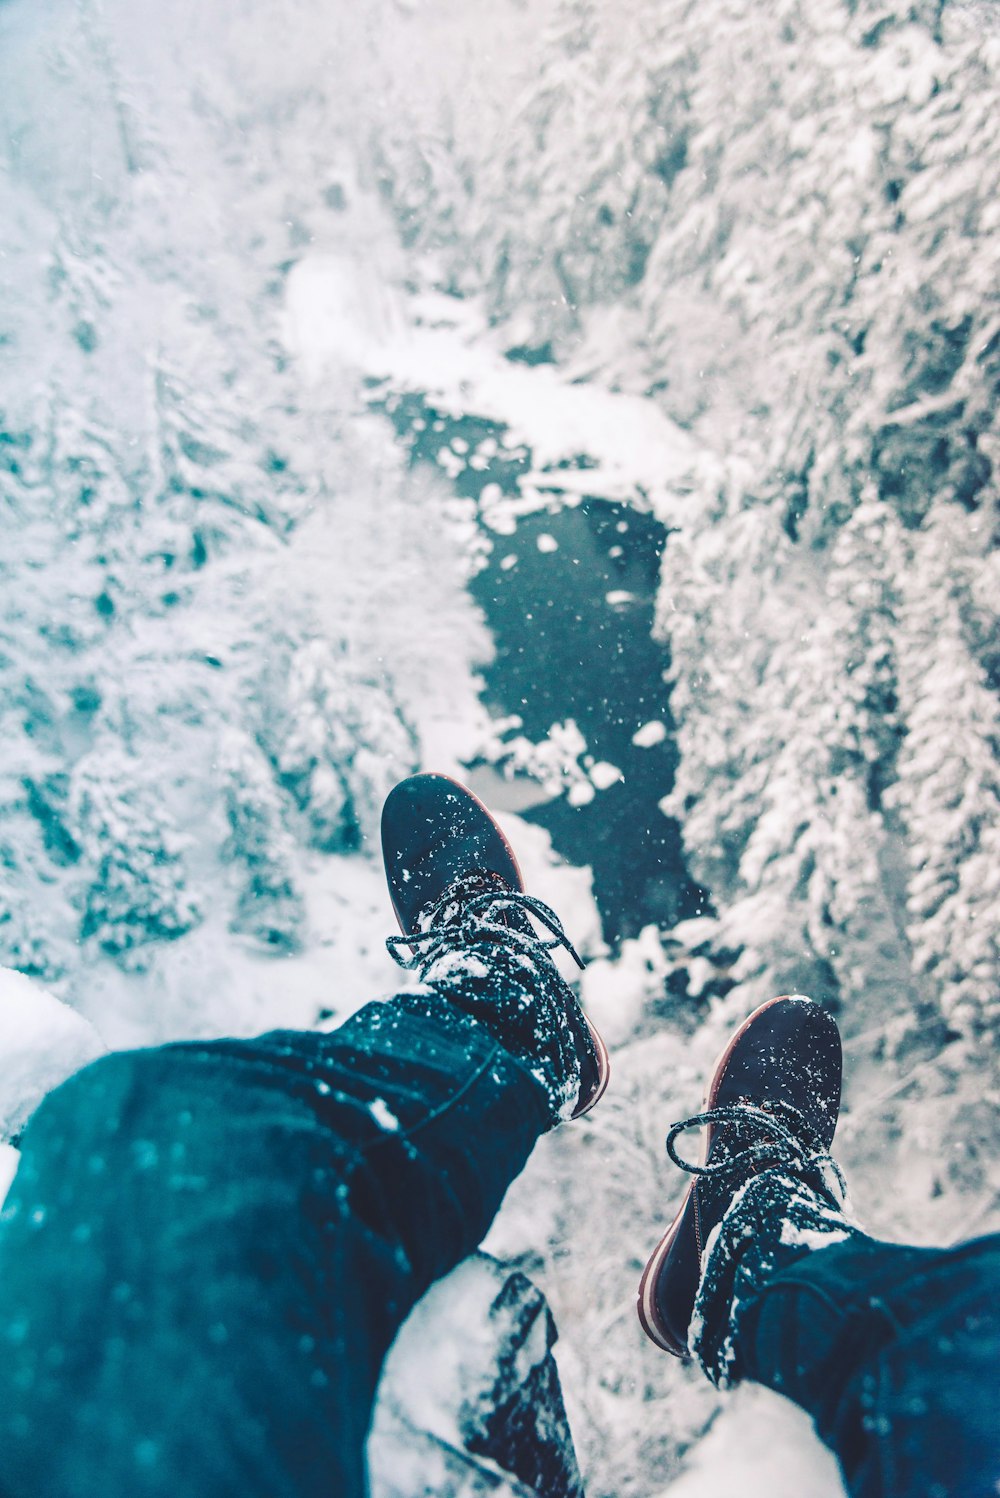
649, 1318
603, 1071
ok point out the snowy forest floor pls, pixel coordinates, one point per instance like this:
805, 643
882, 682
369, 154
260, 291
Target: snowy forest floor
205, 692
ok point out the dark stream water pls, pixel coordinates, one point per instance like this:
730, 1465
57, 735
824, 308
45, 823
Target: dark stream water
569, 596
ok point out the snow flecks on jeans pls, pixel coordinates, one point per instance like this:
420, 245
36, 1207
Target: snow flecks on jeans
383, 1115
772, 1220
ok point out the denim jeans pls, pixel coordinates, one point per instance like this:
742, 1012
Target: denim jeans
209, 1247
893, 1351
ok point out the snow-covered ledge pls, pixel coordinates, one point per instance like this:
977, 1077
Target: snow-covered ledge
42, 1042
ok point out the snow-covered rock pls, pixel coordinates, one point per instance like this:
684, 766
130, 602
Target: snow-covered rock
42, 1042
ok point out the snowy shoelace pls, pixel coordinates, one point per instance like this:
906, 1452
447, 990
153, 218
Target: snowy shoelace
788, 1140
467, 913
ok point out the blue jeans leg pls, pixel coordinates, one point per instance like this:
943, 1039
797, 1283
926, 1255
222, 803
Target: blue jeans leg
209, 1247
894, 1352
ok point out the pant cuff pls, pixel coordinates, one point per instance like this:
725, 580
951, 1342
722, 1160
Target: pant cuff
773, 1220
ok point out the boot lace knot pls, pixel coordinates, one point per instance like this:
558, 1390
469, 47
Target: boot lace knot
467, 912
779, 1134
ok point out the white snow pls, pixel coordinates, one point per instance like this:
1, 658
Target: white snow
341, 307
650, 734
760, 1446
9, 1160
604, 774
580, 793
811, 1238
42, 1042
445, 352
383, 1115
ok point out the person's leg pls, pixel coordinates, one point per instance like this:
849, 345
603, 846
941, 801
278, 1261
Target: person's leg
763, 1276
208, 1248
893, 1351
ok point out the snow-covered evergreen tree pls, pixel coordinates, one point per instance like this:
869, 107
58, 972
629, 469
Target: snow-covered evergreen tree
217, 467
948, 794
765, 215
339, 747
269, 906
862, 724
786, 696
137, 891
22, 944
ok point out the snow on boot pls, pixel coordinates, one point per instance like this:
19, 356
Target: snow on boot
459, 898
770, 1113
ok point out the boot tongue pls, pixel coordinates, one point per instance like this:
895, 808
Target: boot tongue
744, 1143
734, 1158
731, 1138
